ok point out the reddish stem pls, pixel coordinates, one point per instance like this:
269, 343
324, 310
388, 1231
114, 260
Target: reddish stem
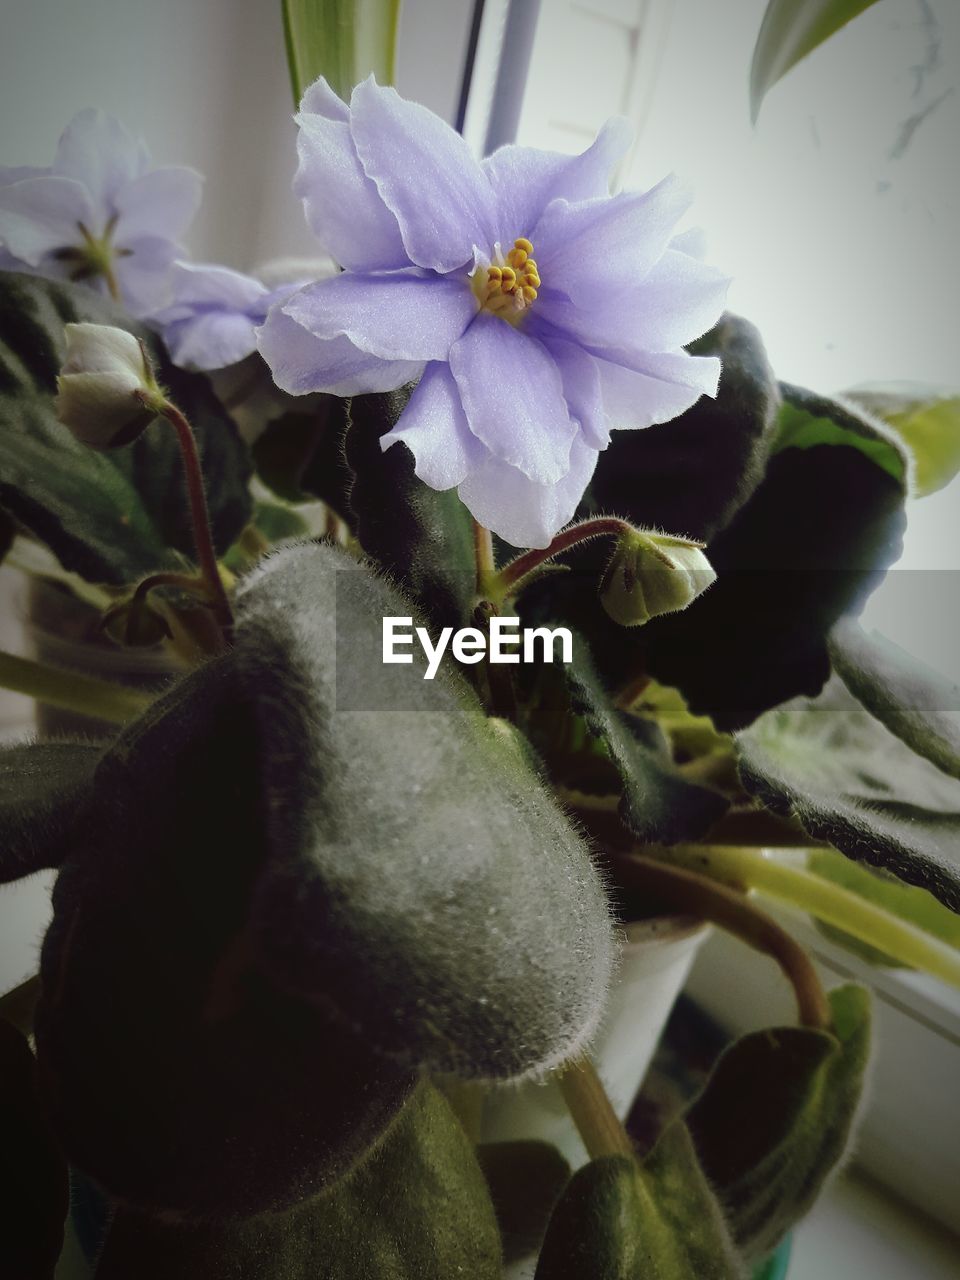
512, 575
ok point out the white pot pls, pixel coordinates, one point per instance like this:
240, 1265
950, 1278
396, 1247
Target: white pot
656, 958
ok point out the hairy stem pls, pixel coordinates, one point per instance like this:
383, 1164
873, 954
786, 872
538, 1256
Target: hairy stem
759, 869
486, 565
592, 1112
728, 908
69, 691
512, 576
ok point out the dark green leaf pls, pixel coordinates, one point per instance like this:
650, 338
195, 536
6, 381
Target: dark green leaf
914, 701
416, 1209
33, 1172
300, 455
620, 1220
525, 1180
928, 421
791, 29
424, 539
906, 902
41, 788
658, 803
854, 785
344, 40
690, 475
111, 517
777, 1116
807, 420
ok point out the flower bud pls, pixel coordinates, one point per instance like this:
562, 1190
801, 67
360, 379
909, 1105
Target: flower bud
651, 574
107, 393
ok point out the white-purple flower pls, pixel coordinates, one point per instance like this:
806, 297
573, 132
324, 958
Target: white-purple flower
100, 214
537, 310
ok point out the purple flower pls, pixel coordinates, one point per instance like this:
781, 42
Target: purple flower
537, 310
99, 214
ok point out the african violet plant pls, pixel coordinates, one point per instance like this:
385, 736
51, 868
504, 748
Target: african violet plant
308, 900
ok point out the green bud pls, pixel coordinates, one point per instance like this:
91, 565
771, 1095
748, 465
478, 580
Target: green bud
651, 574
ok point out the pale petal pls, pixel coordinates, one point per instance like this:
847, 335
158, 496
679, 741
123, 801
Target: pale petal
655, 387
320, 100
342, 205
161, 203
144, 275
40, 215
394, 317
525, 179
427, 176
434, 427
584, 247
301, 362
97, 150
197, 285
522, 512
581, 389
513, 397
211, 340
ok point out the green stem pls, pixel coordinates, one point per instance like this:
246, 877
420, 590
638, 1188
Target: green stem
69, 691
758, 869
486, 565
729, 909
513, 575
592, 1112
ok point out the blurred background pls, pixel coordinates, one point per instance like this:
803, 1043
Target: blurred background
837, 216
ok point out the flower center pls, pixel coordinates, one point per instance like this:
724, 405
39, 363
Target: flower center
95, 257
510, 283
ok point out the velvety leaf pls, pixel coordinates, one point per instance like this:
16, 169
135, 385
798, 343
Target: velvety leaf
928, 421
343, 40
914, 701
807, 420
33, 1173
41, 788
906, 902
854, 785
658, 804
426, 884
416, 1209
776, 1117
179, 1076
620, 1220
790, 30
525, 1180
807, 549
690, 475
424, 539
300, 455
111, 517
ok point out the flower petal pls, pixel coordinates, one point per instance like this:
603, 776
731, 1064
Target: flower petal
678, 301
513, 397
161, 203
395, 317
517, 509
40, 215
144, 275
525, 179
301, 362
655, 387
435, 428
612, 240
342, 205
581, 389
427, 176
97, 150
211, 340
201, 284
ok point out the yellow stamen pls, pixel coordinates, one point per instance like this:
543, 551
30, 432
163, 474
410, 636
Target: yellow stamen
509, 285
529, 293
516, 257
523, 244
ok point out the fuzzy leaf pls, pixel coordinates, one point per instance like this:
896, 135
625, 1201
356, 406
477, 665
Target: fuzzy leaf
424, 539
658, 804
41, 787
620, 1220
807, 420
854, 785
914, 701
426, 884
111, 517
525, 1180
416, 1209
928, 421
33, 1172
776, 1117
690, 475
300, 455
791, 29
